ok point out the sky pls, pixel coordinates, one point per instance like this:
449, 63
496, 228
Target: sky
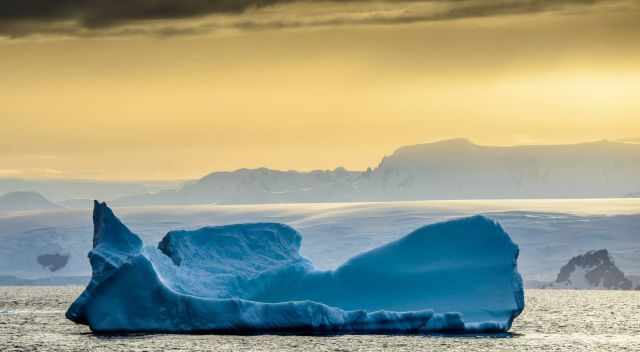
168, 89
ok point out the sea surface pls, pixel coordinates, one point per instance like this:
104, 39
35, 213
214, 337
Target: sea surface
32, 319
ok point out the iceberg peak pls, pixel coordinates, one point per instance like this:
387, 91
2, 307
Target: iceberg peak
109, 231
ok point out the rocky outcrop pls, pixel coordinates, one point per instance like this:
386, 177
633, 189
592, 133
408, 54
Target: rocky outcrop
592, 270
53, 262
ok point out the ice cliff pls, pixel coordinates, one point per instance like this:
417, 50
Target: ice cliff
456, 276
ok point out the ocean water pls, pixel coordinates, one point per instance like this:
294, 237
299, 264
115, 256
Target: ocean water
32, 319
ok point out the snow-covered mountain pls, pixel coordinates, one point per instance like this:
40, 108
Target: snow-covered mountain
452, 169
592, 270
258, 186
459, 169
24, 201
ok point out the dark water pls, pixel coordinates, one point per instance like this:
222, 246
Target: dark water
32, 319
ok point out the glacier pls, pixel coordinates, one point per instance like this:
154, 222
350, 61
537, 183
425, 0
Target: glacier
458, 276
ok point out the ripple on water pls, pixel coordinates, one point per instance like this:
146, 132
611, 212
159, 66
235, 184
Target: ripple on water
32, 319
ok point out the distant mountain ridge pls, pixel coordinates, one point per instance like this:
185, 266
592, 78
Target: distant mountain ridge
257, 186
451, 169
25, 201
59, 190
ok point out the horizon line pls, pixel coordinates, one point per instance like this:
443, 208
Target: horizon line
61, 178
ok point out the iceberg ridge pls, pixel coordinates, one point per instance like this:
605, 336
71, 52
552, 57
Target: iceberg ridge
458, 276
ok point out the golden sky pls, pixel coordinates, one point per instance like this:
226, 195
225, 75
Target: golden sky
306, 85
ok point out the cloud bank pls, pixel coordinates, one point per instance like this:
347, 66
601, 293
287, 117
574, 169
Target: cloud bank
78, 18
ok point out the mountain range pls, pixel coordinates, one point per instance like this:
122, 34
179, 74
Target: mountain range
25, 201
65, 190
451, 169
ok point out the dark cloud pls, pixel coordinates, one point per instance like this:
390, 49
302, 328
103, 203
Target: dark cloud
493, 8
460, 9
111, 17
98, 13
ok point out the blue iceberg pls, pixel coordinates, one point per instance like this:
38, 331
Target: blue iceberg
458, 276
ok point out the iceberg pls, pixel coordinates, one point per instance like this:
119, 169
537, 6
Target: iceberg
458, 276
